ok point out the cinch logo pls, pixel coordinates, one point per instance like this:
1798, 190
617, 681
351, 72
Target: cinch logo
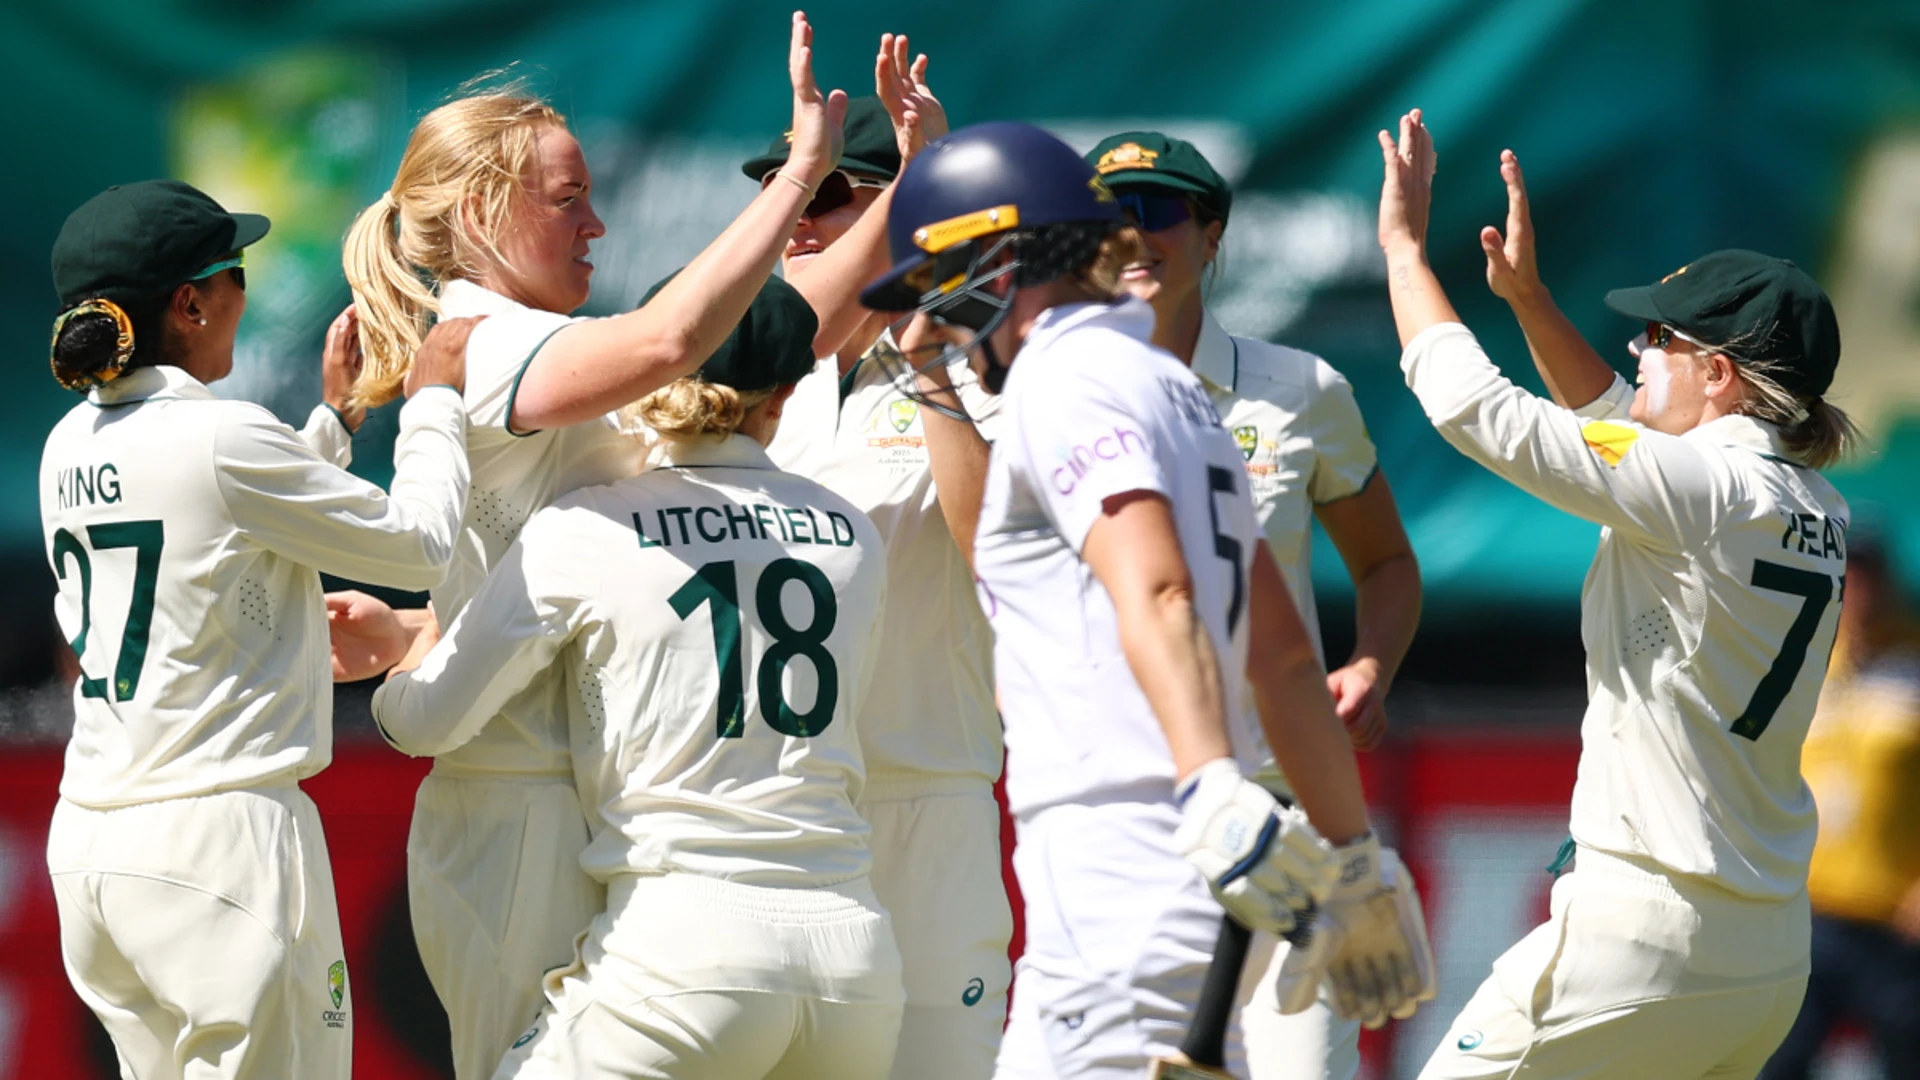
1081, 459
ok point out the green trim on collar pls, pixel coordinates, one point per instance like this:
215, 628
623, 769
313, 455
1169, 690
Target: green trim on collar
851, 378
513, 392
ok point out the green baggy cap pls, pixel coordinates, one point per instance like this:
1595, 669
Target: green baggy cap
1751, 306
772, 345
1148, 159
871, 148
138, 242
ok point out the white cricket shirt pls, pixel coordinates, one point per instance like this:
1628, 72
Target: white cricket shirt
930, 717
514, 475
188, 535
1708, 615
1091, 411
718, 623
1297, 426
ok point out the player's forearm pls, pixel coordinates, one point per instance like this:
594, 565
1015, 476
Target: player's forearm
1418, 300
1387, 600
1173, 659
958, 457
832, 280
1290, 692
1574, 373
593, 367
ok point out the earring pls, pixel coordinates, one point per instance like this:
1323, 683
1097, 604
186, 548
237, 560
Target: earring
200, 322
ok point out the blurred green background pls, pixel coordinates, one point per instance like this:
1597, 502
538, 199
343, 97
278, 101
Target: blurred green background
1651, 130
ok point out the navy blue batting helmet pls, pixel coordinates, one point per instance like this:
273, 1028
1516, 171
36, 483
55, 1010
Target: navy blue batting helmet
977, 182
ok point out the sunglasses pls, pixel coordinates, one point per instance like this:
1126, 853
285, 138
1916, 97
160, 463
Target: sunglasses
236, 263
835, 191
1152, 213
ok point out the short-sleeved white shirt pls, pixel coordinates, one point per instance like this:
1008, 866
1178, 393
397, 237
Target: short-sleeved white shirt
1296, 424
930, 719
1091, 411
717, 622
515, 475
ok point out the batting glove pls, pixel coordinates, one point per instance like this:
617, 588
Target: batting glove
1368, 943
1264, 862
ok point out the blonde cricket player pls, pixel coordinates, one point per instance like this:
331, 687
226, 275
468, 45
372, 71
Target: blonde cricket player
188, 534
717, 622
495, 885
1120, 567
1308, 458
1678, 946
929, 730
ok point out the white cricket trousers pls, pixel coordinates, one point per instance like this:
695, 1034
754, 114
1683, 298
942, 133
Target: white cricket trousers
1636, 975
937, 870
690, 978
498, 899
1120, 930
203, 933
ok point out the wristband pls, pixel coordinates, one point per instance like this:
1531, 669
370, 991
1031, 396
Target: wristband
797, 182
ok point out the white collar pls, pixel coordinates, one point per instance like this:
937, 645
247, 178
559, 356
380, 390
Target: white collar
460, 298
735, 452
1129, 315
1746, 433
161, 380
1216, 358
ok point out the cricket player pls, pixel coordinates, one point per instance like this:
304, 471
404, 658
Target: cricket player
1308, 458
1119, 565
495, 885
1678, 946
716, 621
929, 730
188, 534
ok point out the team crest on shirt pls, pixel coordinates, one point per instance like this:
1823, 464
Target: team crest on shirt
336, 1017
901, 413
1247, 437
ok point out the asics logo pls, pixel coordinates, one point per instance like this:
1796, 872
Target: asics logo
976, 989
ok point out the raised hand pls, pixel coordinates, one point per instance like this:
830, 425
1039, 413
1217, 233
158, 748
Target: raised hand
340, 364
1406, 192
1512, 273
818, 119
918, 117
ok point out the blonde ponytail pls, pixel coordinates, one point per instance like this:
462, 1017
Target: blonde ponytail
690, 408
394, 305
1814, 432
463, 170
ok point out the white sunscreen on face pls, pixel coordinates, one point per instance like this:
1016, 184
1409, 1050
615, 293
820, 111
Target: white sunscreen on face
1656, 374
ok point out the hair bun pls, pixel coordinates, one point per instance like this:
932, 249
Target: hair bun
92, 344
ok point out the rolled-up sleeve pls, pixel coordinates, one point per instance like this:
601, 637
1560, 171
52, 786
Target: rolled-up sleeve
1655, 487
289, 500
512, 630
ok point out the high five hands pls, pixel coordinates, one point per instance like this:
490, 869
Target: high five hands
818, 136
918, 117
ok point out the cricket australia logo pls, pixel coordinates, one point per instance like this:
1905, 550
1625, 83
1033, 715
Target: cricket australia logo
336, 1017
901, 414
1247, 437
1128, 155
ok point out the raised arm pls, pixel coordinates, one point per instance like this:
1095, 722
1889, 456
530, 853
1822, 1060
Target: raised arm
595, 366
1574, 373
832, 281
